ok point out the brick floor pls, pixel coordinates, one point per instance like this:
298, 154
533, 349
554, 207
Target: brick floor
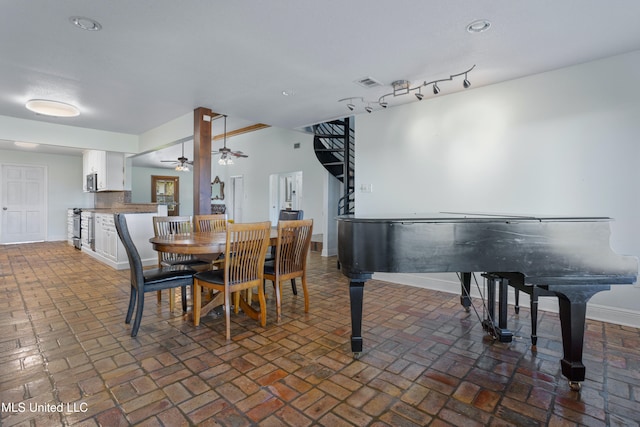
67, 358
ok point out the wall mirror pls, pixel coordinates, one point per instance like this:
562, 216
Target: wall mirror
217, 189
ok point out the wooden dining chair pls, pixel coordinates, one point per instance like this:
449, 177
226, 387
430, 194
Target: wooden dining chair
212, 222
246, 246
292, 247
215, 223
143, 281
287, 215
167, 225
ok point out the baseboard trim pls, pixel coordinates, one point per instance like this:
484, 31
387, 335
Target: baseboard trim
448, 282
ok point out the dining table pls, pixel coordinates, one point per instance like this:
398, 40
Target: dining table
208, 243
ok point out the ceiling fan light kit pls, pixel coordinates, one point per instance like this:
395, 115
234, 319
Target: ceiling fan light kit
225, 153
182, 163
403, 87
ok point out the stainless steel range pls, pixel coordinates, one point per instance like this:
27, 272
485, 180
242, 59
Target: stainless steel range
77, 227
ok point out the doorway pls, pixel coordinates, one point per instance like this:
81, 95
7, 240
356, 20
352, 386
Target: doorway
165, 190
236, 197
285, 192
24, 216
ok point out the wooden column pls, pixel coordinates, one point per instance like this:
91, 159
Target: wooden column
202, 160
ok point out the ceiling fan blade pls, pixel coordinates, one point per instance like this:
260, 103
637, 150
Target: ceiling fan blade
169, 161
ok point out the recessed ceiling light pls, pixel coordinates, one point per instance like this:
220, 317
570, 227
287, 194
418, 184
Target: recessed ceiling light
479, 26
85, 23
52, 108
288, 92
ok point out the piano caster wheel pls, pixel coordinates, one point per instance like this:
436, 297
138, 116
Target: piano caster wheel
575, 385
356, 356
467, 309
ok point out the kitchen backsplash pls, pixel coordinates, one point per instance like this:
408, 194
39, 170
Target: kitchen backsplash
111, 199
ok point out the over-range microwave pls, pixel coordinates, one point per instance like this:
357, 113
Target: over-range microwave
92, 182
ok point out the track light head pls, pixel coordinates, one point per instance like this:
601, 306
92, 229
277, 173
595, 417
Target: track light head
384, 104
436, 89
368, 109
466, 83
419, 95
351, 107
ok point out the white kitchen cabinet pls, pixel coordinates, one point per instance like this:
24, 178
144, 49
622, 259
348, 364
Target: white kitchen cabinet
109, 248
109, 167
108, 243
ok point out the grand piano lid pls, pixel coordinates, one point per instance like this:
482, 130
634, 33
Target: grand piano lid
465, 217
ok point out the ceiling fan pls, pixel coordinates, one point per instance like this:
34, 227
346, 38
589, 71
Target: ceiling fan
225, 153
182, 163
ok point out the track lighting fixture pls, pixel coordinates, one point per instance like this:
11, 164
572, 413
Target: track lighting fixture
403, 87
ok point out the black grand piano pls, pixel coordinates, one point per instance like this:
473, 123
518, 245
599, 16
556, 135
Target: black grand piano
570, 258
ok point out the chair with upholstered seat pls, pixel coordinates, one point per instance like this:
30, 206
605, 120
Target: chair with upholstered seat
292, 247
167, 225
290, 214
212, 222
287, 215
143, 281
246, 246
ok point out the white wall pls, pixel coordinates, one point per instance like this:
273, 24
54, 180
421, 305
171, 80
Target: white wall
271, 151
564, 142
64, 186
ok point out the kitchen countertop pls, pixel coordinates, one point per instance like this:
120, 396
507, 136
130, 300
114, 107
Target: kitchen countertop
126, 208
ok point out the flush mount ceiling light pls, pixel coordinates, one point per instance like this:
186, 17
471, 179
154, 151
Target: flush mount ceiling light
28, 145
479, 26
84, 23
52, 108
403, 87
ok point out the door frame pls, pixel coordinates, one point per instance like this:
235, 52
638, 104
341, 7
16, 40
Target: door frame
176, 192
235, 197
285, 192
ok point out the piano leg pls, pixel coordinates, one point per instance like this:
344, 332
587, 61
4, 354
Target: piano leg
356, 293
497, 329
465, 287
573, 306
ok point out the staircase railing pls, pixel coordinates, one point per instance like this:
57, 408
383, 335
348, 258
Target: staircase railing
334, 145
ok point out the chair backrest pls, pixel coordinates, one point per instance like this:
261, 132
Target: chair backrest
213, 222
135, 263
289, 215
165, 225
292, 247
245, 252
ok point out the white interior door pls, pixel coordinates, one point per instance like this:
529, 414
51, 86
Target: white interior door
23, 204
236, 198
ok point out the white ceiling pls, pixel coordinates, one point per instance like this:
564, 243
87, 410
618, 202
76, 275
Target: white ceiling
155, 60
